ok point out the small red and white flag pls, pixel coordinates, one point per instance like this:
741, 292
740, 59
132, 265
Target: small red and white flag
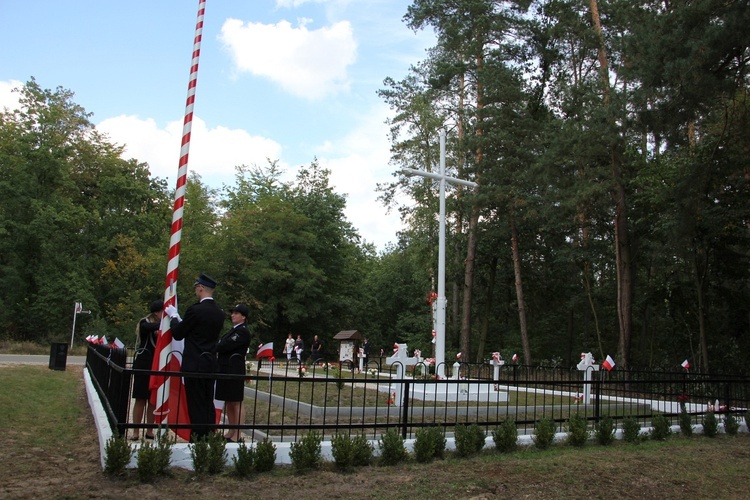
265, 351
103, 340
119, 344
609, 363
686, 364
515, 357
458, 356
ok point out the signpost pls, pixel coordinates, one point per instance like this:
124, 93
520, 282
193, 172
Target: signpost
78, 309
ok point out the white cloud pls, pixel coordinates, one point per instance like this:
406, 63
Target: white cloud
358, 162
213, 152
306, 63
9, 99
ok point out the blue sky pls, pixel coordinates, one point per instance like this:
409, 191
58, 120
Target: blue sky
289, 80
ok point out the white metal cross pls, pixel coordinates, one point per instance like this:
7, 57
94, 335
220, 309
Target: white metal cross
440, 311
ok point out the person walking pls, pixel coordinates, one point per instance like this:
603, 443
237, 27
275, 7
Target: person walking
289, 347
315, 349
200, 329
145, 340
299, 347
232, 350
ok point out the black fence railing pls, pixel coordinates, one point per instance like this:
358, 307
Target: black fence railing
283, 401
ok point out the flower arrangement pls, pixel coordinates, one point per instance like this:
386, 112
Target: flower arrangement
302, 370
578, 399
372, 371
392, 399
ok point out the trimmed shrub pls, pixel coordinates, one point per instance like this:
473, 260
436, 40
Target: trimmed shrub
686, 421
710, 424
731, 424
660, 428
243, 461
265, 455
578, 432
153, 459
469, 440
429, 444
544, 433
506, 436
392, 449
217, 453
363, 451
342, 449
117, 454
306, 453
631, 430
605, 431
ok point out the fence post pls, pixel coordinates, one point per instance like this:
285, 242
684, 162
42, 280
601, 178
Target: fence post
598, 395
405, 410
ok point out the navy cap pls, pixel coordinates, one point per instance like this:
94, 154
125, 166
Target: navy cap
242, 309
205, 280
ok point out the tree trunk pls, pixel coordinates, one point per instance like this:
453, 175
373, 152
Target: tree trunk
519, 291
623, 258
471, 244
490, 299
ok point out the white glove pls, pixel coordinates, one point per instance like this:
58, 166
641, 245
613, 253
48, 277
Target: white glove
171, 311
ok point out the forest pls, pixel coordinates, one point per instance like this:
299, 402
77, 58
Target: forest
610, 141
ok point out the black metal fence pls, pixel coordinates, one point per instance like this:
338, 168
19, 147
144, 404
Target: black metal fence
284, 401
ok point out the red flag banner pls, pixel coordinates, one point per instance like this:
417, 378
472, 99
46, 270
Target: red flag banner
265, 351
609, 363
168, 392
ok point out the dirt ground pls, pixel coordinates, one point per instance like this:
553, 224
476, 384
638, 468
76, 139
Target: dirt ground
698, 467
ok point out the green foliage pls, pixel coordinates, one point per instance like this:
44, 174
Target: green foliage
506, 436
392, 449
243, 460
153, 459
429, 444
217, 453
265, 455
731, 424
544, 433
306, 453
605, 431
199, 454
686, 421
578, 432
469, 439
631, 430
660, 428
342, 449
363, 451
710, 424
117, 454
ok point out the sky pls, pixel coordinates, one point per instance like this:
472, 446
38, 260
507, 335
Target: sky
285, 80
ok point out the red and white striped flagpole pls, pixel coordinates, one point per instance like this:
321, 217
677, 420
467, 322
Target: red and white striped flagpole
168, 392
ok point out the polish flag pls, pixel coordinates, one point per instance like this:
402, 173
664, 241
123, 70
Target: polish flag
515, 357
265, 351
458, 356
686, 364
609, 363
119, 344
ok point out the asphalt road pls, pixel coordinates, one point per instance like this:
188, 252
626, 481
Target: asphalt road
36, 359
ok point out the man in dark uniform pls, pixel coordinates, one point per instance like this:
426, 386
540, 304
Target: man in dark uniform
201, 329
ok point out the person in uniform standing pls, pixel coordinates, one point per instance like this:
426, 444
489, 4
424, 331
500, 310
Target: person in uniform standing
200, 329
145, 338
232, 350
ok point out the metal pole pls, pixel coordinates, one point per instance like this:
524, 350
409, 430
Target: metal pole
73, 333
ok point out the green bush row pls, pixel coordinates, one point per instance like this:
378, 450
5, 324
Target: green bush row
209, 455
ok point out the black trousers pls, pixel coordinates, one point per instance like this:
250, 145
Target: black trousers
200, 403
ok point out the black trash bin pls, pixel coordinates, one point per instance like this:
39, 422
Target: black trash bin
58, 356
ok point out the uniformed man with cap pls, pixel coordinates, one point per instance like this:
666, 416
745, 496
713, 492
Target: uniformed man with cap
200, 329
